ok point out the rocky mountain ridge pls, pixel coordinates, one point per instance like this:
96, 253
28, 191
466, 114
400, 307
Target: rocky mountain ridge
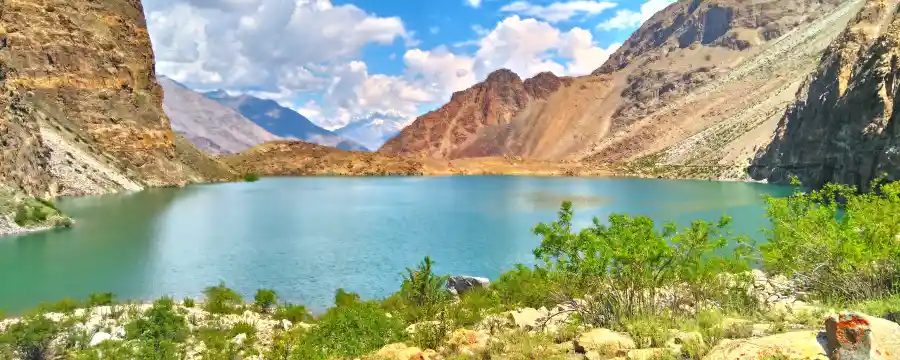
283, 122
209, 125
843, 125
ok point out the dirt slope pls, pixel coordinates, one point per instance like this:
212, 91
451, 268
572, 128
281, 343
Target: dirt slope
843, 126
80, 108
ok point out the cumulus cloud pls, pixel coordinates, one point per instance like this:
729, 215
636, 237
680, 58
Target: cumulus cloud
627, 19
283, 49
473, 3
558, 11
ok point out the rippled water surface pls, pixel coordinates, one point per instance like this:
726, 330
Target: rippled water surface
306, 237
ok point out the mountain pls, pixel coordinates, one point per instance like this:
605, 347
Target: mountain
298, 158
373, 129
494, 102
211, 126
843, 126
693, 93
282, 121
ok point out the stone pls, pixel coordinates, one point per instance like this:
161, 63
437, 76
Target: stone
603, 341
856, 336
461, 284
469, 342
529, 318
239, 339
399, 351
647, 354
286, 324
793, 345
99, 338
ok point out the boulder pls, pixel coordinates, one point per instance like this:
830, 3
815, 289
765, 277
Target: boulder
793, 345
99, 338
856, 336
603, 341
469, 342
399, 351
286, 324
239, 339
461, 284
650, 354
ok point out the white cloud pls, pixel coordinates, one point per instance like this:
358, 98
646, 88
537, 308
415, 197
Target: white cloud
473, 3
558, 11
627, 19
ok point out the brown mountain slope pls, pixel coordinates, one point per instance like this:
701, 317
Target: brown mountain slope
698, 85
81, 112
843, 126
494, 102
298, 158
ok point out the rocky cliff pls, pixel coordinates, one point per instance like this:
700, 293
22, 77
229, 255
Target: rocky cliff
80, 108
209, 125
843, 126
448, 131
692, 93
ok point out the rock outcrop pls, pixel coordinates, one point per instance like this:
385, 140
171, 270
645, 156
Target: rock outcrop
209, 125
843, 127
80, 108
854, 336
448, 131
459, 285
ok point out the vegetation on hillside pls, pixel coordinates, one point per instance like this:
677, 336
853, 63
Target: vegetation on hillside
627, 274
30, 212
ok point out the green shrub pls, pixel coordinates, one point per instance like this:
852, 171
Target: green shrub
841, 253
101, 299
526, 287
188, 302
649, 332
265, 299
628, 263
251, 177
31, 338
431, 335
471, 308
348, 332
38, 212
222, 300
344, 298
293, 313
158, 331
422, 294
65, 306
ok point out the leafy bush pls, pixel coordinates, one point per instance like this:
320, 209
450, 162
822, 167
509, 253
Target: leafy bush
632, 266
31, 338
188, 302
265, 299
471, 307
65, 306
158, 331
222, 300
101, 299
251, 177
422, 294
840, 252
347, 332
431, 334
293, 313
526, 287
344, 298
649, 332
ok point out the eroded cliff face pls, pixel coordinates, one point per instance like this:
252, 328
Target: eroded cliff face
80, 108
448, 131
843, 126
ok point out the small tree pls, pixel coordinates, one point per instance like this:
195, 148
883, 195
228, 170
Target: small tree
423, 292
265, 299
31, 338
159, 331
221, 300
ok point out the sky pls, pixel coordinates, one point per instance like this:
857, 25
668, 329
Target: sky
335, 61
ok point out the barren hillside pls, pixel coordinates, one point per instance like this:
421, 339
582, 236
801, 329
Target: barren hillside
81, 109
692, 93
843, 125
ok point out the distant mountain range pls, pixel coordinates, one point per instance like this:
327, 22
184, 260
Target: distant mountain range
282, 121
374, 129
211, 126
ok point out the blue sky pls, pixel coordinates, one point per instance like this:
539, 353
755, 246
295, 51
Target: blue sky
337, 60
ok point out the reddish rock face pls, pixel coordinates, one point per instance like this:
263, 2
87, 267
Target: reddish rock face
496, 101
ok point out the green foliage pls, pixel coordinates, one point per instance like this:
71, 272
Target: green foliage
158, 331
101, 299
344, 298
472, 307
31, 338
188, 302
31, 212
431, 334
65, 306
251, 177
222, 300
630, 263
265, 299
526, 287
293, 313
422, 294
649, 332
840, 243
348, 331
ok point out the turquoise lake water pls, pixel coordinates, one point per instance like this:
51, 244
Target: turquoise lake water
306, 237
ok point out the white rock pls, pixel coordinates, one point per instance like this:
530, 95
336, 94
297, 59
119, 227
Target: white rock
239, 339
99, 338
119, 332
286, 324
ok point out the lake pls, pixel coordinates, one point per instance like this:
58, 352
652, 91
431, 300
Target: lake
306, 237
